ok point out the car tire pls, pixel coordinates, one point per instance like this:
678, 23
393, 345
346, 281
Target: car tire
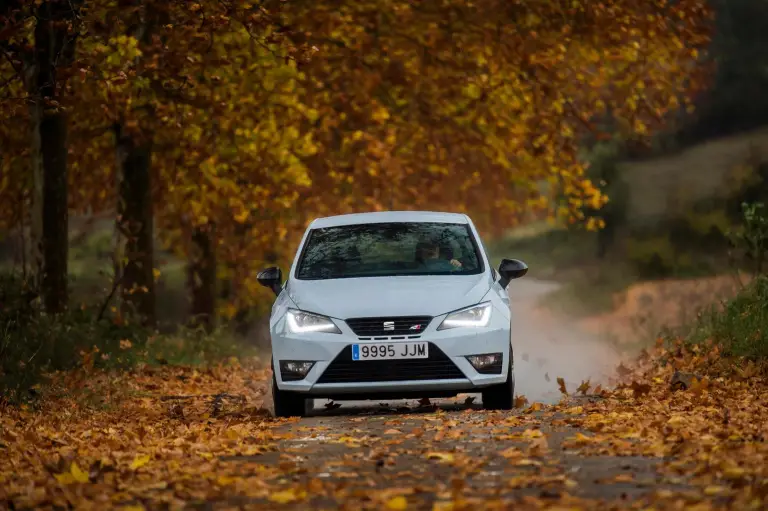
286, 403
501, 396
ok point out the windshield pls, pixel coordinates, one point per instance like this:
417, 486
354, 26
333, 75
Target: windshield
389, 249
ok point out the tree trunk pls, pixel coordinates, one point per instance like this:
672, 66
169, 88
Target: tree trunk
135, 224
53, 48
201, 278
36, 211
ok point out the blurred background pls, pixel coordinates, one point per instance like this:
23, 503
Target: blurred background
155, 155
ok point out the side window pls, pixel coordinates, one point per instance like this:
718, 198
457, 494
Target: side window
494, 274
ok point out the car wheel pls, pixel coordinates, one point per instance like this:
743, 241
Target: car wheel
501, 396
286, 403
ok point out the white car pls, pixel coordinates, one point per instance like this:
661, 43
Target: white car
391, 305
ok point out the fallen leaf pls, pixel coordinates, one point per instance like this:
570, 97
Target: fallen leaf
397, 503
714, 490
639, 390
520, 401
139, 461
584, 387
532, 433
511, 452
443, 457
65, 478
287, 495
561, 385
538, 447
77, 474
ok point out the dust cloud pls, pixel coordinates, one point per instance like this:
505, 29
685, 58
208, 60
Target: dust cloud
547, 346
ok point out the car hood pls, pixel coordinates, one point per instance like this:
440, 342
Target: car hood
388, 296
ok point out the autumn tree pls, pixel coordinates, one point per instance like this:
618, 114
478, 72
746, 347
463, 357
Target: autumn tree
476, 107
211, 92
40, 47
446, 106
259, 118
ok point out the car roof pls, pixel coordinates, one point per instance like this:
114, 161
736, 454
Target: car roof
380, 217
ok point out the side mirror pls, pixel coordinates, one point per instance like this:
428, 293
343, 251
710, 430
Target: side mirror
511, 269
272, 278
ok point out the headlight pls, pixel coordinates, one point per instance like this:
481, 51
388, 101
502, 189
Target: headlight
300, 322
477, 316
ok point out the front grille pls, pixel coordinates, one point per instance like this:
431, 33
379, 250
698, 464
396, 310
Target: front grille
401, 325
344, 370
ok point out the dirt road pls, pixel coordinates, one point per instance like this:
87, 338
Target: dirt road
374, 458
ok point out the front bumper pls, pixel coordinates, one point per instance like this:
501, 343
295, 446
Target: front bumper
451, 347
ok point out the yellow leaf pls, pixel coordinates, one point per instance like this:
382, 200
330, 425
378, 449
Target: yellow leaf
242, 216
511, 452
397, 503
532, 433
77, 474
734, 473
675, 420
528, 462
65, 478
225, 480
581, 438
288, 495
441, 456
139, 461
520, 401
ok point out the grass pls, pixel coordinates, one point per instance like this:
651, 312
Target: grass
34, 344
739, 326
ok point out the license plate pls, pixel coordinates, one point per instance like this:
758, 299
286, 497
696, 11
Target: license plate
390, 351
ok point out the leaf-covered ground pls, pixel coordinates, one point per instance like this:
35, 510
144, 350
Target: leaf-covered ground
161, 438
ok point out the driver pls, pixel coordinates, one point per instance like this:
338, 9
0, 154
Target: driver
428, 254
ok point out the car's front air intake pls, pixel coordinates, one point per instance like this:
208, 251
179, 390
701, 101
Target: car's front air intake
345, 370
400, 325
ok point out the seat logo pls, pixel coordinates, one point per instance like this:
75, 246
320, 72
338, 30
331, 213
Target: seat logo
389, 325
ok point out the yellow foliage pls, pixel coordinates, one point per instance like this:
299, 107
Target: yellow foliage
257, 134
